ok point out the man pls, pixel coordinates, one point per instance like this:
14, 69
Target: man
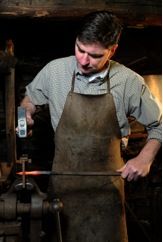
90, 98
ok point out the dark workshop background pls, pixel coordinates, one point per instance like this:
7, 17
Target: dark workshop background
44, 30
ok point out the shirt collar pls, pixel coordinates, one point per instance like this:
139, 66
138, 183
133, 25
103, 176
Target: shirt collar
99, 75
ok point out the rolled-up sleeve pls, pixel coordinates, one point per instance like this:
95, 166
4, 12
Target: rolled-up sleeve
37, 89
151, 114
146, 109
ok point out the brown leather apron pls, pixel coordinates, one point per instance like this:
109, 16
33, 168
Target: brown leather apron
88, 139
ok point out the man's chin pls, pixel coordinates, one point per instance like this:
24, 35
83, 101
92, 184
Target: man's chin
87, 71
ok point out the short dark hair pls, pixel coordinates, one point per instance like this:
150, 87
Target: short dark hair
100, 27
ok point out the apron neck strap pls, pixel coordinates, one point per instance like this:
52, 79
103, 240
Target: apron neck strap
73, 82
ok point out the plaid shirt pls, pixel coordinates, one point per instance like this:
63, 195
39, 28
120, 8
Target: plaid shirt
131, 95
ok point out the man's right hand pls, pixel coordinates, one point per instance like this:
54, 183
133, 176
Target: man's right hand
30, 121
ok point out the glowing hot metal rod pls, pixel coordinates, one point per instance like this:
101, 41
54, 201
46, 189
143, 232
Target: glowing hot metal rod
68, 173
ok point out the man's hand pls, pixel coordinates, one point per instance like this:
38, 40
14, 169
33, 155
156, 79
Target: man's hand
134, 169
140, 165
30, 110
30, 121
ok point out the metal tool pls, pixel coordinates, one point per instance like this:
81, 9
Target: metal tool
17, 210
69, 173
22, 122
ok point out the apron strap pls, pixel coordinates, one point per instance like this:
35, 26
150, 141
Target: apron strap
73, 82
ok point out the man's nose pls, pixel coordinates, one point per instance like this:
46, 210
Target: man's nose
84, 59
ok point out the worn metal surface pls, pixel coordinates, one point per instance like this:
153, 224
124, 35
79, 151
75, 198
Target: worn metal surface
22, 212
154, 83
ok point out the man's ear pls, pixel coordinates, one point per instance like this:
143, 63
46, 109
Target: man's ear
112, 50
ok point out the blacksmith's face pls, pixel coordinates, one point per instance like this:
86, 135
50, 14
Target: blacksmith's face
92, 58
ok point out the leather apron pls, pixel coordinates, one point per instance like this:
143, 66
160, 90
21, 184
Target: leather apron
88, 139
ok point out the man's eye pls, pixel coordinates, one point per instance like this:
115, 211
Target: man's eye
96, 56
81, 51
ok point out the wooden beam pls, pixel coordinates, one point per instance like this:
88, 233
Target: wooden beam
132, 13
10, 116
